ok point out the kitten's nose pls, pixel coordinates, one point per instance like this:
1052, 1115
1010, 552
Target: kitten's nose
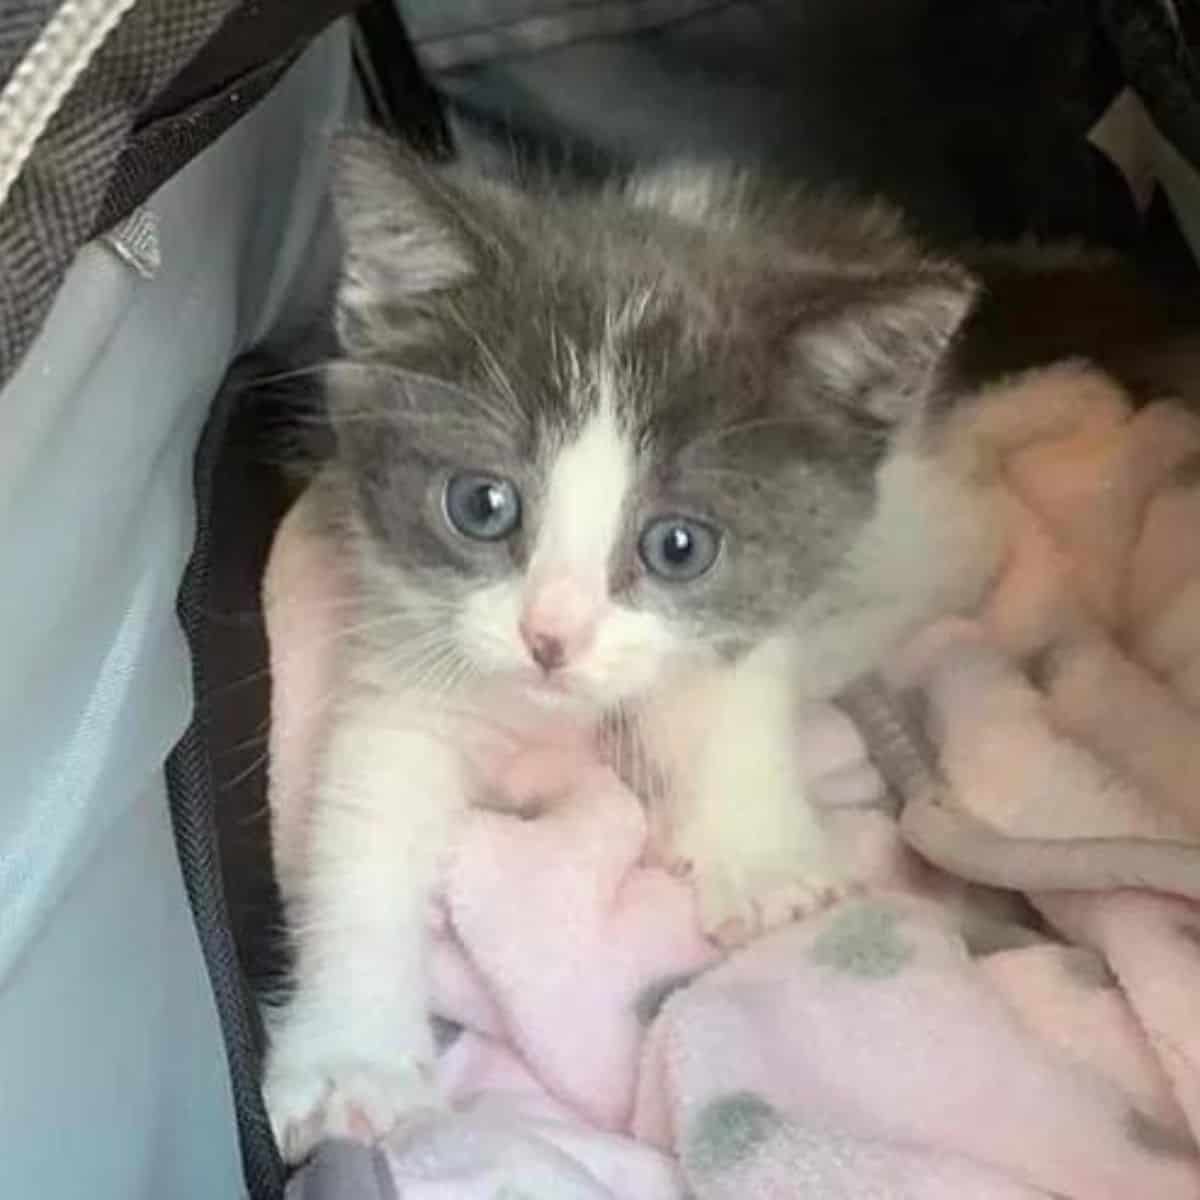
548, 652
558, 622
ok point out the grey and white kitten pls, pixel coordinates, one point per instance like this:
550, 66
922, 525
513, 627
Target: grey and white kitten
673, 449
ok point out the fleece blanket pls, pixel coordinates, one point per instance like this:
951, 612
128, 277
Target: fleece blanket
930, 1037
1065, 717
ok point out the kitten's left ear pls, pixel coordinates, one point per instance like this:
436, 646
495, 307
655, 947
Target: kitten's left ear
410, 233
876, 343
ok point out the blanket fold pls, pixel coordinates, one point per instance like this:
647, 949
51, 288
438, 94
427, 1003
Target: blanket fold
1054, 741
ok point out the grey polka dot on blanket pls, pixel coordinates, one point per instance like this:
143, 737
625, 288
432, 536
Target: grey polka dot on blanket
649, 1001
864, 940
1156, 1138
1087, 968
727, 1131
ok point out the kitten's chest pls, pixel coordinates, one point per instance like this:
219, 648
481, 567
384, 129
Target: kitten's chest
518, 752
657, 746
521, 756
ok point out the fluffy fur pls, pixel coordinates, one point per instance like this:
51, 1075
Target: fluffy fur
692, 346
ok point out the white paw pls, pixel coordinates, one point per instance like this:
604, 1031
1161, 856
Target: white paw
311, 1101
743, 891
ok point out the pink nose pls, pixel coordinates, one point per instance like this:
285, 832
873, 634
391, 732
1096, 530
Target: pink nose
548, 652
558, 623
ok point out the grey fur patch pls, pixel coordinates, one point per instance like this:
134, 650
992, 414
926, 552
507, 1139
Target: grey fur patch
1159, 1139
727, 1131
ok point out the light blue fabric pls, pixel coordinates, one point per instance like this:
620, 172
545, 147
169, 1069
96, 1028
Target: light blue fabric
113, 1079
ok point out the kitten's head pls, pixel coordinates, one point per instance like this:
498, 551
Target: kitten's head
590, 438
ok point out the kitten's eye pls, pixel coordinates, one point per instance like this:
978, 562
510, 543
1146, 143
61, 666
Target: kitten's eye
678, 548
483, 507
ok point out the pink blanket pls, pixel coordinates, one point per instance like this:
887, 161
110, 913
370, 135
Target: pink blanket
929, 1038
900, 1045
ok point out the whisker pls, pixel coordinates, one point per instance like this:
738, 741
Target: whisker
715, 436
260, 761
309, 369
308, 646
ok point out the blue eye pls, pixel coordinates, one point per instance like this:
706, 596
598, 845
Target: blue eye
483, 507
678, 549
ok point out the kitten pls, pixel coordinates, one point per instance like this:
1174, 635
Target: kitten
674, 450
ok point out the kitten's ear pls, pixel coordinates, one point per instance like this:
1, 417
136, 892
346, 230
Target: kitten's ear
876, 343
406, 234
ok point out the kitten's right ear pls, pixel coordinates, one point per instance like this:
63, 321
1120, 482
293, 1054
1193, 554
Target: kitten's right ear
405, 233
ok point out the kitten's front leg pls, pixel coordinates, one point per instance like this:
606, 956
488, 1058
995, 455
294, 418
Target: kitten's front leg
352, 1049
742, 826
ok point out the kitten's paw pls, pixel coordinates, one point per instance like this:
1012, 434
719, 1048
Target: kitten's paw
308, 1103
735, 910
742, 892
